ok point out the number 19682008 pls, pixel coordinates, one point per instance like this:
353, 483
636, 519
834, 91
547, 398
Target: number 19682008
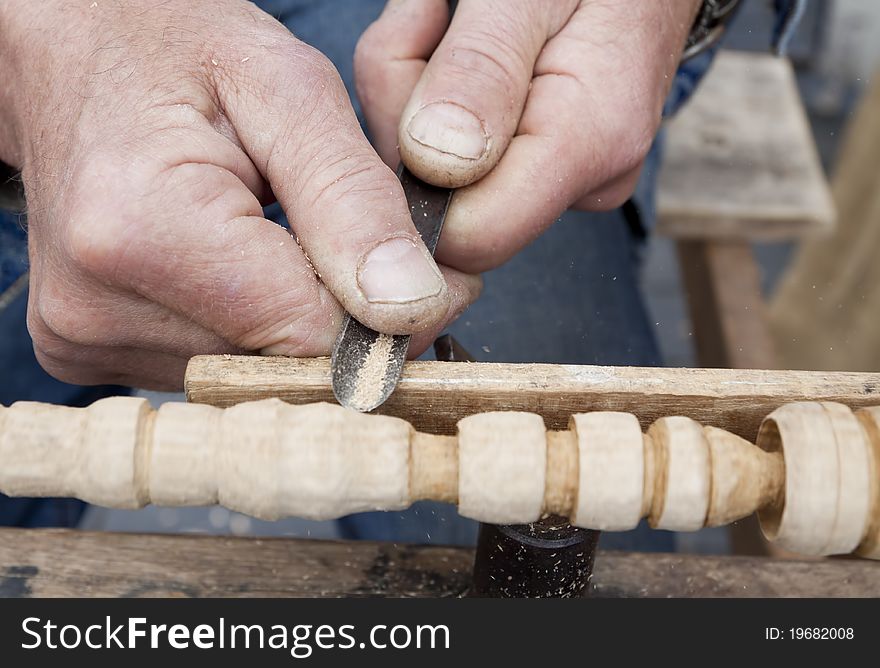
808, 633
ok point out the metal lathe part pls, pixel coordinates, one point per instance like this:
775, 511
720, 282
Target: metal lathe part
354, 379
545, 559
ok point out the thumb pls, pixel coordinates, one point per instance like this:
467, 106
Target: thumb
346, 207
389, 60
467, 104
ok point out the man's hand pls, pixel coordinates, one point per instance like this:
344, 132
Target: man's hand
150, 134
540, 105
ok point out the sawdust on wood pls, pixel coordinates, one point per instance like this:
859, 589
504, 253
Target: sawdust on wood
371, 377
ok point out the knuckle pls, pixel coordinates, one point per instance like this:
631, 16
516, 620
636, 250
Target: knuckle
337, 178
55, 324
609, 150
477, 251
89, 245
490, 56
299, 73
75, 368
55, 366
295, 318
628, 142
369, 51
372, 75
41, 335
95, 228
313, 65
636, 146
55, 354
318, 113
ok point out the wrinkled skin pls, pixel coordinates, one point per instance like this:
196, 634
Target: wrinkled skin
151, 133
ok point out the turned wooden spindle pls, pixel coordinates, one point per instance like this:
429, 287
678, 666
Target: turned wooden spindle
813, 476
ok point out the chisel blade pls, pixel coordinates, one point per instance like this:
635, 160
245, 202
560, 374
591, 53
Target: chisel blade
367, 365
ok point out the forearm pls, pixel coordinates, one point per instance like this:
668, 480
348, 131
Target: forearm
9, 152
31, 34
10, 149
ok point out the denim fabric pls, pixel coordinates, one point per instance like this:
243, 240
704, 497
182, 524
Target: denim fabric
688, 77
788, 15
570, 297
13, 250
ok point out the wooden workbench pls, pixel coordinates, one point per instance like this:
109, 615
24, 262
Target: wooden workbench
46, 563
740, 166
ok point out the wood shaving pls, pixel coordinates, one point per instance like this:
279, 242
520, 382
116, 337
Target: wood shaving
371, 378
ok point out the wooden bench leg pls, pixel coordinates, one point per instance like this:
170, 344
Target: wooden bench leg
723, 286
727, 309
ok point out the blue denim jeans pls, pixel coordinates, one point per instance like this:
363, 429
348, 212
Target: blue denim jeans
571, 297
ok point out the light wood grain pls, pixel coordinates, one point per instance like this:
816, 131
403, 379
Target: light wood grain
723, 286
59, 563
740, 161
824, 313
729, 319
434, 396
812, 473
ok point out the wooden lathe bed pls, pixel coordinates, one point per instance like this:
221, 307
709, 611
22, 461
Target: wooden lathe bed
73, 563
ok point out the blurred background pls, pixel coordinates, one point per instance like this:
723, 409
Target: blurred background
835, 52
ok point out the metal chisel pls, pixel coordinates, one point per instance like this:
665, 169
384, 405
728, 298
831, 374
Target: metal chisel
366, 365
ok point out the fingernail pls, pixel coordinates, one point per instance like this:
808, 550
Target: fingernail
449, 128
399, 271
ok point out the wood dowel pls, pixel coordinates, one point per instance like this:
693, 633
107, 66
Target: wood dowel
434, 396
813, 475
433, 468
561, 485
